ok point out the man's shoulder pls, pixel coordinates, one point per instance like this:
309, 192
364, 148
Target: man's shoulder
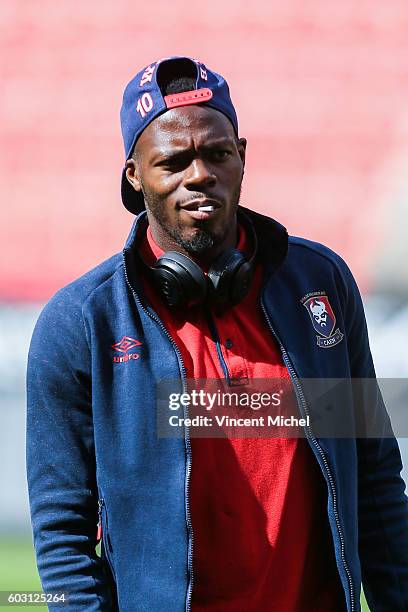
303, 247
96, 276
315, 262
65, 307
274, 235
82, 287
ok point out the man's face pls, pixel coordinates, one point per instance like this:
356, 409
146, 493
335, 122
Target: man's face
186, 159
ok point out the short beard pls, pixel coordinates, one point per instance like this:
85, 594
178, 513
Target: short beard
202, 240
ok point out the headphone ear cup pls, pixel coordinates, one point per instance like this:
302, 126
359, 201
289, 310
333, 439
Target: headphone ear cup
223, 276
180, 280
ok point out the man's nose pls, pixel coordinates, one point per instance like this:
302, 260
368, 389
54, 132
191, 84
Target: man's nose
198, 173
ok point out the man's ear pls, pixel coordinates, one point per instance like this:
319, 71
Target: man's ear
241, 146
132, 174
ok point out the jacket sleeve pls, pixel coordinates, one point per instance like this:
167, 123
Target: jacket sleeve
61, 460
383, 505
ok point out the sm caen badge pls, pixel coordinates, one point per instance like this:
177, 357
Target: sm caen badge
323, 319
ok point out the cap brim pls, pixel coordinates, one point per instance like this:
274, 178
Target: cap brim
132, 200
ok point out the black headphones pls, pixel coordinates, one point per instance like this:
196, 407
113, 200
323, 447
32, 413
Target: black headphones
182, 283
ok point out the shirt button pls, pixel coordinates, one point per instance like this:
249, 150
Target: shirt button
228, 344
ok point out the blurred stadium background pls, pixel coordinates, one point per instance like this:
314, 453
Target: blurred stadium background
321, 91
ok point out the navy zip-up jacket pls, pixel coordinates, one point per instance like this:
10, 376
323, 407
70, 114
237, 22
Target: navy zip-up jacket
93, 450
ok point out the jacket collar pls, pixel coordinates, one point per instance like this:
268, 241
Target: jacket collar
272, 239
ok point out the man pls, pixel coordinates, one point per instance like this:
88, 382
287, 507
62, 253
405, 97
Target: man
205, 290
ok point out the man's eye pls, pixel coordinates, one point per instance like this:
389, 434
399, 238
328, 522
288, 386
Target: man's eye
175, 164
221, 154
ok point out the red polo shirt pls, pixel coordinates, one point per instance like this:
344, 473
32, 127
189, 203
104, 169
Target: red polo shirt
258, 506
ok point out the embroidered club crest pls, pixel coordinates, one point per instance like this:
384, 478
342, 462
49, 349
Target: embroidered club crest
323, 319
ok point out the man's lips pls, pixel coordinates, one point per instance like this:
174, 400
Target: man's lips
199, 203
202, 208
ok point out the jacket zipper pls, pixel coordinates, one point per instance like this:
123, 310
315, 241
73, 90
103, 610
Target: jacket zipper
186, 437
302, 404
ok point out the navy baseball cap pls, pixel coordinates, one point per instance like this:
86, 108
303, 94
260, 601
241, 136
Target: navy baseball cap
143, 101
